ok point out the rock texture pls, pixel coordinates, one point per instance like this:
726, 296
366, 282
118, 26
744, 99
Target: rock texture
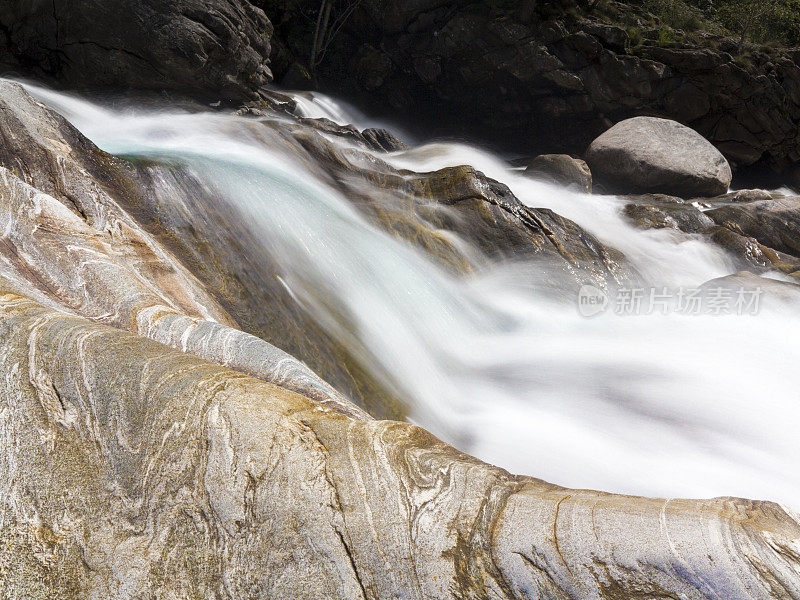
216, 49
151, 449
774, 223
552, 76
658, 156
561, 169
662, 212
171, 477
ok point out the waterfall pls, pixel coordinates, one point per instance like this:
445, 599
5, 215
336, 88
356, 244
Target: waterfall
657, 405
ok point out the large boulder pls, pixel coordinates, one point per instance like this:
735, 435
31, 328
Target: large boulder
649, 155
213, 48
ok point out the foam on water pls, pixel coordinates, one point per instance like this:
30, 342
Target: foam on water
661, 405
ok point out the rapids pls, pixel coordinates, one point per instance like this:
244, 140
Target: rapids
658, 405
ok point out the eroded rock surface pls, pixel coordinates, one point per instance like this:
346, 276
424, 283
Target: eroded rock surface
169, 476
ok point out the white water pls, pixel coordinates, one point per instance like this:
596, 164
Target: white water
660, 405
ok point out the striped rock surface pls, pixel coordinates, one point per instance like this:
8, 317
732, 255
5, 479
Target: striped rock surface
149, 448
132, 470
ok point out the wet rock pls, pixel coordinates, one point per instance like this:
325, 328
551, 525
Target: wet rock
649, 155
380, 140
383, 139
774, 223
655, 211
741, 196
422, 207
561, 169
269, 100
750, 254
216, 49
772, 292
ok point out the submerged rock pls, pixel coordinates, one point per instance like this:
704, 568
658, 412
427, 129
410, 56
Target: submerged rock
772, 293
561, 169
217, 49
649, 155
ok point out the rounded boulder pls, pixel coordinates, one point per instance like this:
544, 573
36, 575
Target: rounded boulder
647, 155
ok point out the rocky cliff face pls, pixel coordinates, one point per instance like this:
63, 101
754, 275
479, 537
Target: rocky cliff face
552, 76
218, 50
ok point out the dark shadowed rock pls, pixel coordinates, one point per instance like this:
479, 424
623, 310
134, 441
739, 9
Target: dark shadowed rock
649, 155
383, 139
561, 169
531, 75
212, 48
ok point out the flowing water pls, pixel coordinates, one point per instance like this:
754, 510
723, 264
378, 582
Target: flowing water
661, 404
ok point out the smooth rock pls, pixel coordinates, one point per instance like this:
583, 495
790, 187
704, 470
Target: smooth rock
132, 470
650, 155
561, 169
